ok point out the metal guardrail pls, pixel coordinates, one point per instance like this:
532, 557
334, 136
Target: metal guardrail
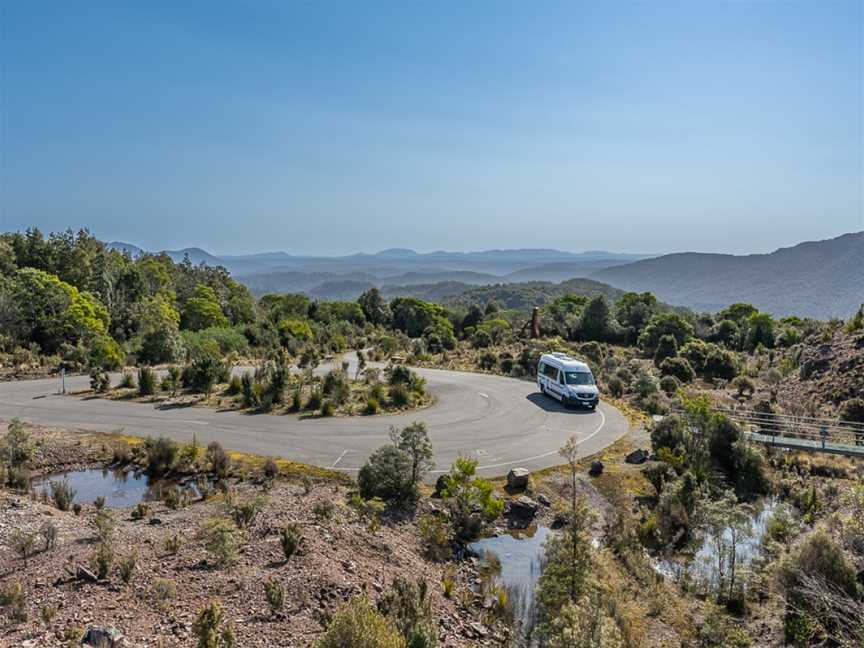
799, 432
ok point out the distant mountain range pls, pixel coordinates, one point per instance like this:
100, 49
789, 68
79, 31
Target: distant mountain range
819, 279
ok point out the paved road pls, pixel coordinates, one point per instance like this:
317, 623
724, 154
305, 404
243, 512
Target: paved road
502, 422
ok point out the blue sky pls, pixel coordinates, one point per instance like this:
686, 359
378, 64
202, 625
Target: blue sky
333, 127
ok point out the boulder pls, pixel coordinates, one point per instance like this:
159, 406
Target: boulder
596, 468
639, 456
102, 637
82, 573
544, 500
517, 479
440, 485
522, 508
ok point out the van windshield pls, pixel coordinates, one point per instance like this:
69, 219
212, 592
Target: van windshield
579, 378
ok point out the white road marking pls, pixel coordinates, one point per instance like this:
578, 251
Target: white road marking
483, 395
336, 463
535, 457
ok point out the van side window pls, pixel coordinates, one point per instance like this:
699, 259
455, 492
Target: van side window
550, 372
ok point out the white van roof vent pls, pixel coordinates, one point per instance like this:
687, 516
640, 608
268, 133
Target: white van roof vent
561, 356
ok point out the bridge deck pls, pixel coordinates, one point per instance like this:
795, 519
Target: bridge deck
812, 445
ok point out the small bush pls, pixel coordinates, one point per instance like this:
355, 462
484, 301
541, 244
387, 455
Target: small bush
62, 494
409, 606
744, 386
99, 381
219, 540
271, 469
487, 361
99, 502
15, 600
275, 595
434, 537
291, 541
209, 629
140, 511
328, 408
324, 509
615, 386
172, 544
372, 406
48, 531
127, 381
314, 401
102, 560
669, 384
217, 460
678, 367
146, 381
163, 590
126, 566
399, 395
244, 513
358, 625
22, 542
161, 455
387, 475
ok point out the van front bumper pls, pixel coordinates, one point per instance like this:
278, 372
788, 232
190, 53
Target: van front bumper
581, 402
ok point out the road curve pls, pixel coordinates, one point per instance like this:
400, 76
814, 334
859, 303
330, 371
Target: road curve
500, 421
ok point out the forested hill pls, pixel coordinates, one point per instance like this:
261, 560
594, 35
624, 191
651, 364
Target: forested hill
819, 279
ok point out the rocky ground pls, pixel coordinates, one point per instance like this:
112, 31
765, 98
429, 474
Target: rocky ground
341, 558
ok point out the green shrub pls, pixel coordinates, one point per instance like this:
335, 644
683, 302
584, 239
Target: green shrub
127, 381
275, 595
667, 347
487, 361
387, 474
209, 629
372, 406
399, 396
126, 566
100, 382
470, 500
16, 446
62, 494
219, 539
314, 401
434, 537
328, 408
244, 513
22, 542
679, 368
615, 386
102, 560
217, 460
291, 541
358, 625
744, 386
852, 410
140, 511
49, 532
324, 509
146, 381
161, 455
409, 607
669, 384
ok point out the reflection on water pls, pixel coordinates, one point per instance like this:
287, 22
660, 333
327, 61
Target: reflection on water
702, 565
517, 562
120, 488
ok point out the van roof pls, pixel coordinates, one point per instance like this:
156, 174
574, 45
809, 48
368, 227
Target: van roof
563, 360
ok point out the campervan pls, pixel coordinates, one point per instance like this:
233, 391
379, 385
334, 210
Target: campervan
567, 379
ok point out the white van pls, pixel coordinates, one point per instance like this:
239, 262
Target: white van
568, 380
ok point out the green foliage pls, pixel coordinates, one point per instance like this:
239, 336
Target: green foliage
126, 566
105, 353
665, 324
275, 595
215, 341
615, 386
388, 474
358, 625
146, 381
414, 440
210, 630
470, 500
62, 494
291, 541
568, 565
16, 446
667, 347
669, 384
634, 310
856, 323
217, 460
760, 331
161, 455
219, 536
408, 605
852, 410
737, 312
743, 386
413, 316
23, 542
203, 310
679, 368
375, 308
596, 321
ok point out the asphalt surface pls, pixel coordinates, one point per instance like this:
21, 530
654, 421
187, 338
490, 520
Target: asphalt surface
502, 422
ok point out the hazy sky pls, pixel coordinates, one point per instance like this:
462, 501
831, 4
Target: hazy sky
325, 127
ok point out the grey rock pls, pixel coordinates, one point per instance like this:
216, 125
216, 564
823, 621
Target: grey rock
523, 508
517, 479
103, 637
639, 456
596, 468
544, 500
82, 573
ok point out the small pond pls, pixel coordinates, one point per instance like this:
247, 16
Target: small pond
702, 565
521, 559
120, 488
